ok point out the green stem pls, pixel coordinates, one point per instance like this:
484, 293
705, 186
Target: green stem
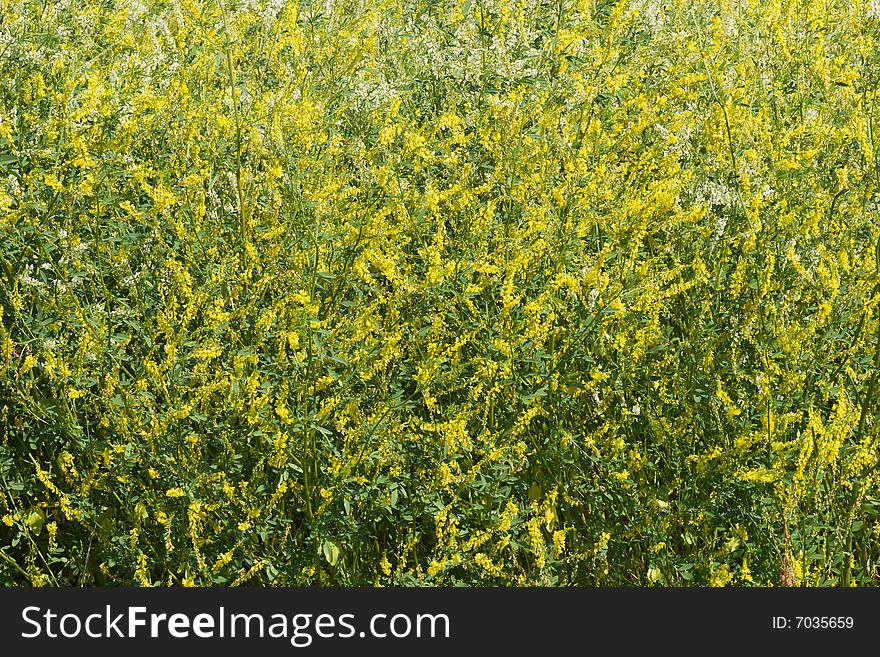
872, 385
14, 564
233, 91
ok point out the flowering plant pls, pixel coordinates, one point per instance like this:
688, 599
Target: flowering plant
483, 292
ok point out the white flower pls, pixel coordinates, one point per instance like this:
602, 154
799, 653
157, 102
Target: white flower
27, 280
717, 194
653, 14
720, 225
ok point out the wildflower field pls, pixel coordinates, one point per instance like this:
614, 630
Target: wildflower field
417, 292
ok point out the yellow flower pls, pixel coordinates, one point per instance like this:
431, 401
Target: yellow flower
721, 576
385, 565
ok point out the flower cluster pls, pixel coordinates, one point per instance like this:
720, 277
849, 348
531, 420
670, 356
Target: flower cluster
447, 292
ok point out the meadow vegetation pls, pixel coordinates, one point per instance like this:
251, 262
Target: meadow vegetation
439, 292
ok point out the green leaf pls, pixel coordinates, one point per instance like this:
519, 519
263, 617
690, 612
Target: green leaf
535, 492
331, 552
35, 521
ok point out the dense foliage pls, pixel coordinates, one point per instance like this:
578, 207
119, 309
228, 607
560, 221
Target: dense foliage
417, 292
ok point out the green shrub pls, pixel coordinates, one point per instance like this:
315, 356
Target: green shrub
438, 293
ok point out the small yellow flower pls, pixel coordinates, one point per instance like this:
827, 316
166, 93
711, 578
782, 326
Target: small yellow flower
559, 542
721, 576
385, 565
